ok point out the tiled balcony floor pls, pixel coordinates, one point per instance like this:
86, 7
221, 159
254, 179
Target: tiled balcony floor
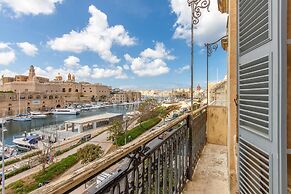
210, 176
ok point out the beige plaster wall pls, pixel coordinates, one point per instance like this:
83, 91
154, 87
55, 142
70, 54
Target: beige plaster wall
217, 125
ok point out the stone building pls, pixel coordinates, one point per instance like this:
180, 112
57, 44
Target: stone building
39, 93
218, 91
12, 103
125, 96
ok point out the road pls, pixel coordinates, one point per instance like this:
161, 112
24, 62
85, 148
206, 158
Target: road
100, 139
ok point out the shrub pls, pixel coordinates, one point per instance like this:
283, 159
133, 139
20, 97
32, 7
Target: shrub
137, 131
89, 153
17, 171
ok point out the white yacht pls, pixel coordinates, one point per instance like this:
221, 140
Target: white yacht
37, 115
22, 117
66, 111
26, 142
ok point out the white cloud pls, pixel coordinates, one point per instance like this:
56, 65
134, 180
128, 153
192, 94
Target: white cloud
159, 52
7, 54
84, 71
28, 48
117, 72
151, 62
71, 61
97, 36
7, 73
81, 72
182, 69
212, 24
30, 7
126, 67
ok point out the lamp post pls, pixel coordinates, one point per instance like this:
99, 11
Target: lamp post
125, 140
3, 129
196, 6
210, 48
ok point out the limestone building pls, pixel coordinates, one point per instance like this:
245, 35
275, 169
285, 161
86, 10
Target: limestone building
39, 93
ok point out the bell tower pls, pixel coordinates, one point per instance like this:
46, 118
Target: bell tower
31, 73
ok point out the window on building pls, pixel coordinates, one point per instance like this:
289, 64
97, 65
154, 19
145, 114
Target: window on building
76, 90
30, 97
64, 89
70, 89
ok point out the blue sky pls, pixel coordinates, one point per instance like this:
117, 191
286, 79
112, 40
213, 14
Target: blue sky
137, 44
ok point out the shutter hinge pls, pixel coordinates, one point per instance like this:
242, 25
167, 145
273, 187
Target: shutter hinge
236, 100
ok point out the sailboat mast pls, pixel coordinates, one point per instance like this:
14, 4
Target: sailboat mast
19, 102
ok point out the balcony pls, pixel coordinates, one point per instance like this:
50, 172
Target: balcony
187, 155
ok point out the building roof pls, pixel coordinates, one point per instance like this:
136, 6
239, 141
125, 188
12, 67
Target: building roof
93, 118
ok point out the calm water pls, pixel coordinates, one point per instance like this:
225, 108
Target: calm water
18, 128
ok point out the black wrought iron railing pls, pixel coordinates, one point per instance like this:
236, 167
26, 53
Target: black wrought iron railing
158, 162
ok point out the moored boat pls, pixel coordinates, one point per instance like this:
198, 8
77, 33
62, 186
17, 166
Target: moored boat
22, 117
37, 115
26, 143
66, 111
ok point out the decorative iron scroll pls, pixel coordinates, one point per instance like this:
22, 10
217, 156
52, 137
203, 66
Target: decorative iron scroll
196, 6
211, 48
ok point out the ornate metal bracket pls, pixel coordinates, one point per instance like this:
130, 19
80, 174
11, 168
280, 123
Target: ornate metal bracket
196, 6
210, 48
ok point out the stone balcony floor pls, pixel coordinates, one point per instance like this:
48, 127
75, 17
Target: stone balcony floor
210, 176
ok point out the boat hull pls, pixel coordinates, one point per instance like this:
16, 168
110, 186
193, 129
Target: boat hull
39, 116
22, 119
65, 113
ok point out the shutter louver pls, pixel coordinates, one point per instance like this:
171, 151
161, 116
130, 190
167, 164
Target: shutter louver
254, 96
254, 167
253, 24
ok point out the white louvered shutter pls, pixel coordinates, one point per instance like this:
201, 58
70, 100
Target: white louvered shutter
260, 96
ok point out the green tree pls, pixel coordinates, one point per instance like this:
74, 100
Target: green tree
89, 153
115, 130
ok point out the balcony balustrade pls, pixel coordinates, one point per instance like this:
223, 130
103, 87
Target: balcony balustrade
160, 161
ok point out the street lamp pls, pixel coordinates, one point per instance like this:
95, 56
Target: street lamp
126, 120
3, 129
196, 6
210, 48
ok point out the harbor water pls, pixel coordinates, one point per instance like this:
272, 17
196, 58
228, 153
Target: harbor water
17, 128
